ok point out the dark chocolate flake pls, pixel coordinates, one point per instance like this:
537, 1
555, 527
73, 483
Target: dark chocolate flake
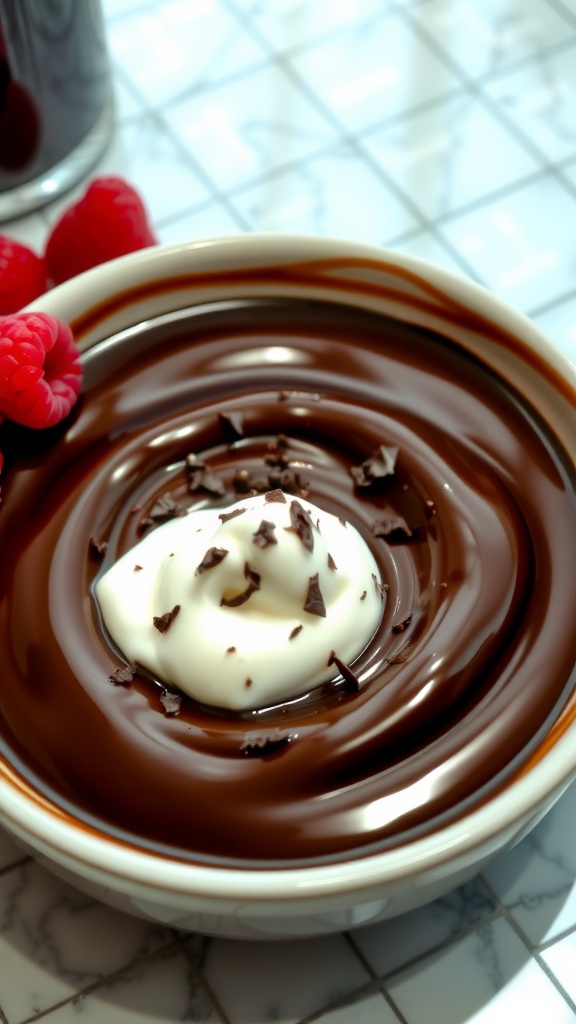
163, 622
351, 680
363, 595
163, 509
276, 495
399, 627
138, 568
98, 548
314, 603
392, 527
230, 650
265, 534
294, 632
331, 563
211, 559
201, 477
123, 675
253, 579
381, 464
171, 702
302, 524
265, 744
226, 516
233, 422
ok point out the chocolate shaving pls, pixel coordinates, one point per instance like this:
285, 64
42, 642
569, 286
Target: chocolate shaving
351, 680
399, 627
163, 509
138, 568
265, 534
171, 702
163, 622
242, 482
212, 558
314, 603
380, 588
265, 744
381, 464
302, 525
363, 595
289, 480
230, 650
248, 683
331, 562
123, 675
225, 516
392, 527
253, 579
98, 548
294, 632
201, 477
275, 495
233, 422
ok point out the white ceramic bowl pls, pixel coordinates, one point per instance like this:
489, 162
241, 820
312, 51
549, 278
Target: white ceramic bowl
310, 900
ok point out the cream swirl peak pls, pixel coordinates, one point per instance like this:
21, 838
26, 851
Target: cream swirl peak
244, 606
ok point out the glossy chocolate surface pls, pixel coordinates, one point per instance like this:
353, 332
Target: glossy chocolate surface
475, 653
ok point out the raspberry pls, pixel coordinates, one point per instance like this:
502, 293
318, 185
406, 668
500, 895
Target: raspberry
109, 221
40, 373
22, 275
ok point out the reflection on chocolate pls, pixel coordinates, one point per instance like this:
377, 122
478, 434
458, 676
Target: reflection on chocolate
447, 708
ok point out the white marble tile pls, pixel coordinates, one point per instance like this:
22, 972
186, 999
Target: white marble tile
390, 944
175, 48
379, 71
335, 193
243, 130
370, 1008
486, 978
213, 220
559, 324
163, 990
443, 158
484, 37
536, 880
54, 941
10, 853
561, 959
523, 244
144, 154
281, 981
287, 24
539, 100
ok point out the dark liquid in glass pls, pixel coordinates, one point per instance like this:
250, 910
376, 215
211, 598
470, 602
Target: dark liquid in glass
54, 82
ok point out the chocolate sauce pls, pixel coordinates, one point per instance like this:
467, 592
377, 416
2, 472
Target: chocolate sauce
475, 654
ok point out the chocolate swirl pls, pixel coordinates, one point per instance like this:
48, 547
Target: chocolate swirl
473, 659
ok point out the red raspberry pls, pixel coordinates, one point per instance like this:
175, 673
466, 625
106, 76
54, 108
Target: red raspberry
22, 275
40, 373
109, 221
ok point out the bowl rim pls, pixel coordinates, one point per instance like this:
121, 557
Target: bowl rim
512, 808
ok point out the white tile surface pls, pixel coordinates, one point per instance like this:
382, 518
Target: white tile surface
444, 127
488, 978
442, 157
381, 71
490, 36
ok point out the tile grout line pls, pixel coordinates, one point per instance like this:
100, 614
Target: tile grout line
193, 961
533, 950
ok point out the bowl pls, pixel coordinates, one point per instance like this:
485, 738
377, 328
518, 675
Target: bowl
136, 297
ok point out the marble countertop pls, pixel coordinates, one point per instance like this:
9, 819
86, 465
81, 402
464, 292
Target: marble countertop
441, 127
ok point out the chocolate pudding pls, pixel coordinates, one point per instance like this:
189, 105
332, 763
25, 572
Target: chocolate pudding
471, 525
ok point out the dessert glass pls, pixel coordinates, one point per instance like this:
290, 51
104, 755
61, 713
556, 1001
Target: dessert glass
350, 890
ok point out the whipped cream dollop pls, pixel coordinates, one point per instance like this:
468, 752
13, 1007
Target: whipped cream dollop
245, 606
